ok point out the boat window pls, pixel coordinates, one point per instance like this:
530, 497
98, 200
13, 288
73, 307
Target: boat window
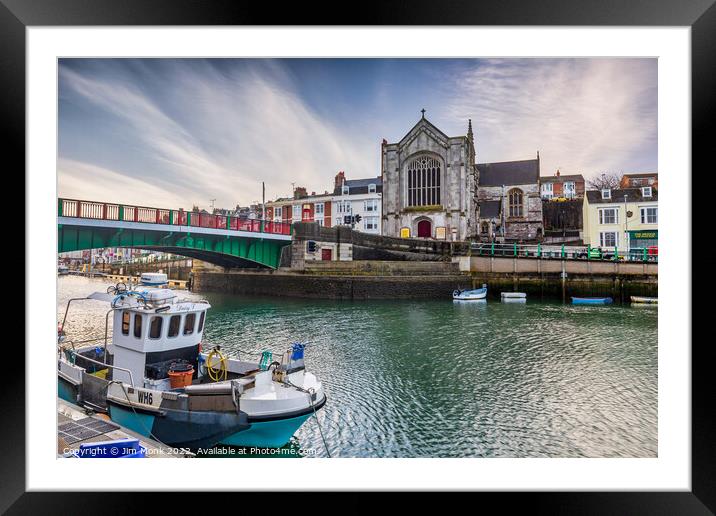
189, 324
174, 323
201, 321
138, 326
125, 323
155, 327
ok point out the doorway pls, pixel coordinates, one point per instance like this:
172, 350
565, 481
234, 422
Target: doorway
425, 229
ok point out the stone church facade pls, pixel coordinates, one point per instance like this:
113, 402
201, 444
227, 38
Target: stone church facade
434, 188
429, 183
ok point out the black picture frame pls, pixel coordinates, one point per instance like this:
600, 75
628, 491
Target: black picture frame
700, 15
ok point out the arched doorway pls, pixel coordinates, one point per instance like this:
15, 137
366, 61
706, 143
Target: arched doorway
425, 229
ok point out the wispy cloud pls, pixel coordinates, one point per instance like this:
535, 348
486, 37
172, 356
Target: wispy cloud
216, 133
583, 115
85, 181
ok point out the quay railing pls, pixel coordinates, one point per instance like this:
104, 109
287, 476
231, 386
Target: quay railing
565, 252
130, 213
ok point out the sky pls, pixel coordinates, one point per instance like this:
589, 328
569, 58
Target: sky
181, 132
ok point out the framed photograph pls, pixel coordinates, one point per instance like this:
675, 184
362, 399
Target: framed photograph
396, 251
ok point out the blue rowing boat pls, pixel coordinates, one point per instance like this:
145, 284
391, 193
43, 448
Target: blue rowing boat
591, 300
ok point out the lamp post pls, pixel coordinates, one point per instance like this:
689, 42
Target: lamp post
626, 225
504, 215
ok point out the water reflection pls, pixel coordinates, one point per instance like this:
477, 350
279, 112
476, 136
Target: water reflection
439, 378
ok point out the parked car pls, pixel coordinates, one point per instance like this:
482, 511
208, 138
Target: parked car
595, 253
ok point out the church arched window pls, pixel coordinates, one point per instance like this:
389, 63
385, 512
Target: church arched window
515, 203
423, 181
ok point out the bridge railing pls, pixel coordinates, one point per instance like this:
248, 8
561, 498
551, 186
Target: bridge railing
568, 252
129, 213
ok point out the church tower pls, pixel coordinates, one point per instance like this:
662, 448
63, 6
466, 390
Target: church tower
429, 184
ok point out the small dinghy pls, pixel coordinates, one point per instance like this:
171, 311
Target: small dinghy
513, 297
470, 295
591, 300
640, 300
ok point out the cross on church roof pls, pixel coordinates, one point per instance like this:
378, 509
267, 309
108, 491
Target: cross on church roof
423, 112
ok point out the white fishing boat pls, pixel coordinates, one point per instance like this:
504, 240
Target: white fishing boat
62, 270
154, 378
470, 295
153, 279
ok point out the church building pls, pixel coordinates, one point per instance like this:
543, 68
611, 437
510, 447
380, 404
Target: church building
429, 182
434, 188
510, 205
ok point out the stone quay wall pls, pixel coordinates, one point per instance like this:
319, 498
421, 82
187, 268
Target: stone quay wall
430, 280
174, 269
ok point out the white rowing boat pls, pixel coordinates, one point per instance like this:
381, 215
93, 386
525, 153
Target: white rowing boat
513, 295
470, 295
645, 300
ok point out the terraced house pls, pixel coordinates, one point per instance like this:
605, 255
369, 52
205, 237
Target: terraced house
625, 218
353, 202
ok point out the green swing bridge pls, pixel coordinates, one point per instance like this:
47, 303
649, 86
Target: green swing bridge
218, 239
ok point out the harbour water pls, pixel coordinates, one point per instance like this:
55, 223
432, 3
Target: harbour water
440, 378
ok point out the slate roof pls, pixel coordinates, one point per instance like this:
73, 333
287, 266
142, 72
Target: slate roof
559, 179
509, 173
291, 200
634, 195
490, 209
360, 186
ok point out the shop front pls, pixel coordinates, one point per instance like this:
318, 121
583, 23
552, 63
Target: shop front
643, 238
644, 244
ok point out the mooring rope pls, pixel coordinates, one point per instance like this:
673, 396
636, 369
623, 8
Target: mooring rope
310, 392
315, 416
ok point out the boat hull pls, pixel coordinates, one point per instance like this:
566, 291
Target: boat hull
591, 300
66, 390
179, 428
268, 434
271, 433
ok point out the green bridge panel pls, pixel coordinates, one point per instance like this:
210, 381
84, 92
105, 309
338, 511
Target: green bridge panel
224, 250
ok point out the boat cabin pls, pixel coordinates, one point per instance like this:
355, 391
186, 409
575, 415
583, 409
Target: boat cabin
150, 335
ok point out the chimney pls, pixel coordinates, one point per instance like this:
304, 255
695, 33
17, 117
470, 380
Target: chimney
299, 192
340, 179
557, 174
313, 193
